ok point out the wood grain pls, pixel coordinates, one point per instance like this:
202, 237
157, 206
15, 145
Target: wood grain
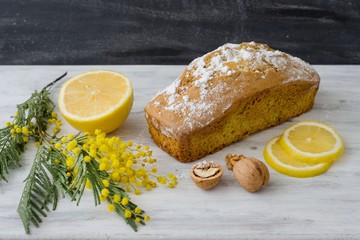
174, 32
323, 207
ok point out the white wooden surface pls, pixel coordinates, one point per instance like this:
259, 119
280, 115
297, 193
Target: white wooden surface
323, 207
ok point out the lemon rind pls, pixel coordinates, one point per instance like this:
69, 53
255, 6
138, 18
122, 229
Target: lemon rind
314, 158
286, 169
62, 107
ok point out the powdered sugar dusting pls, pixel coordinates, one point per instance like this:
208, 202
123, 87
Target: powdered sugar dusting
224, 61
156, 103
195, 110
170, 91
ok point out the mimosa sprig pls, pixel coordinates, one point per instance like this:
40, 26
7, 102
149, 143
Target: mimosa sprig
68, 164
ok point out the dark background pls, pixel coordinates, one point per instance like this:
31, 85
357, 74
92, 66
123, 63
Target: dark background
174, 31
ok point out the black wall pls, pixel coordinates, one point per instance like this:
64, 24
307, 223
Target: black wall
174, 31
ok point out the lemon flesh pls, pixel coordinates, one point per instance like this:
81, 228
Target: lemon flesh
283, 163
96, 100
312, 142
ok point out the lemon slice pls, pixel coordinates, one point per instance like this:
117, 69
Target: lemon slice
96, 100
283, 163
312, 142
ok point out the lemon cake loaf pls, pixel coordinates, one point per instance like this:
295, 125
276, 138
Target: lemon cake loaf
228, 94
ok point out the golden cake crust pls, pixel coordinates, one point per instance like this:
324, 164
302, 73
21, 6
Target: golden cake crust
215, 86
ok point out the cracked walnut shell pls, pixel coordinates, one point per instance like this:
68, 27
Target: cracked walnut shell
206, 175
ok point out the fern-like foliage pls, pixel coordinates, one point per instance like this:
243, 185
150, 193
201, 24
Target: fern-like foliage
10, 152
40, 190
86, 172
89, 172
36, 109
33, 115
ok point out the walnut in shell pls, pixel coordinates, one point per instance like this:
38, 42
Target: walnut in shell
206, 175
251, 173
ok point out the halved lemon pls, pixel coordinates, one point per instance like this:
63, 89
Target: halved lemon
283, 163
312, 142
96, 100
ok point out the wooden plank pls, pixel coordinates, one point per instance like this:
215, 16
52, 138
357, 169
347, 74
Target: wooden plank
173, 32
323, 207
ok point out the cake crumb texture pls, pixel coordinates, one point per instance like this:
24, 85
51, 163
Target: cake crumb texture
226, 95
